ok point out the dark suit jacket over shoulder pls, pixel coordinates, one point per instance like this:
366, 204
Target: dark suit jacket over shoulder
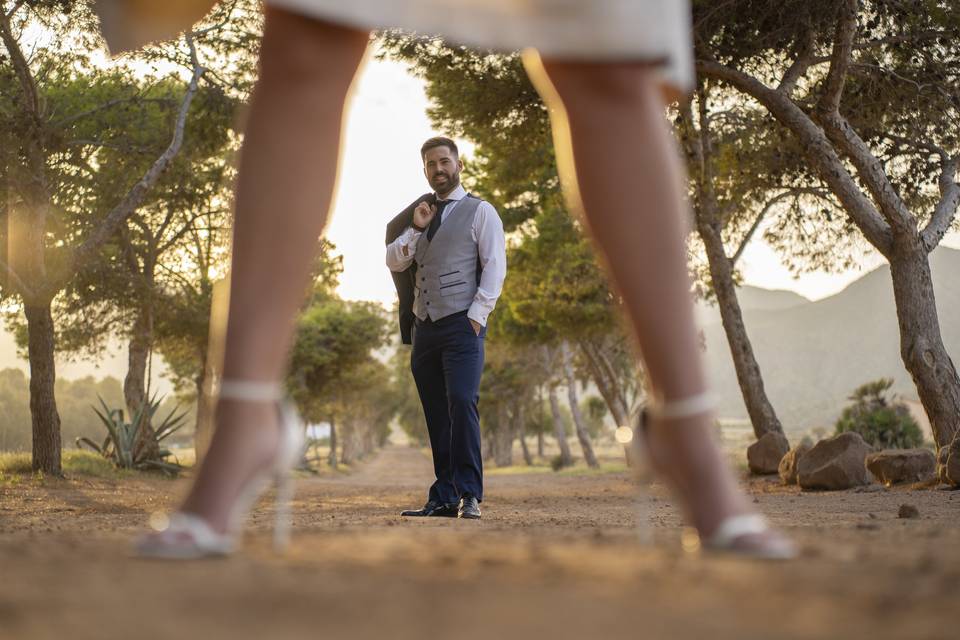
404, 280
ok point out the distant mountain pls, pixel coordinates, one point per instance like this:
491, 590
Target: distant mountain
752, 299
813, 354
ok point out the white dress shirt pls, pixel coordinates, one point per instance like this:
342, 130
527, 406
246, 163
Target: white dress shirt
491, 245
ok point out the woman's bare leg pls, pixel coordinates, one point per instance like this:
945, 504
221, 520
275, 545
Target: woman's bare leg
286, 180
631, 183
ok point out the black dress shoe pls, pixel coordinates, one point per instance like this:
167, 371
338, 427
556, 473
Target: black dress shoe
469, 508
433, 509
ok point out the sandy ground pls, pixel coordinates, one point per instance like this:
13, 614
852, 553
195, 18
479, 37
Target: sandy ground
554, 557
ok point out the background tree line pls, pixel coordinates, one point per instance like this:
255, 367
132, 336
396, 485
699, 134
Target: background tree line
115, 224
828, 125
832, 125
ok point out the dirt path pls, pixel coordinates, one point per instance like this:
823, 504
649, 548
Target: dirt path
554, 557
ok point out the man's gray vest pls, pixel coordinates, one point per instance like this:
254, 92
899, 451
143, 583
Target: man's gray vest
447, 266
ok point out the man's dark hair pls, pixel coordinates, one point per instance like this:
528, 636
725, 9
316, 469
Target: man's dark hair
439, 141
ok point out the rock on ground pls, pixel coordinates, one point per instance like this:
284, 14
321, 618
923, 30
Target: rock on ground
764, 455
908, 511
950, 473
790, 462
835, 463
902, 465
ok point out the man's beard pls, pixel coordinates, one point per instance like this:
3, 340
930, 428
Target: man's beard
445, 187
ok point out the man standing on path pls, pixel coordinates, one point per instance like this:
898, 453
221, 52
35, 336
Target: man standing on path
456, 251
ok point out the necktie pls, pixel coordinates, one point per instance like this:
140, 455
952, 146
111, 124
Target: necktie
437, 218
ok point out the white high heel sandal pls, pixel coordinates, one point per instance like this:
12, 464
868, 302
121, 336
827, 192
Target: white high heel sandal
727, 537
186, 536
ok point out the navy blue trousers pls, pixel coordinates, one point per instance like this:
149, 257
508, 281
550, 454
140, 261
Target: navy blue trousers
447, 361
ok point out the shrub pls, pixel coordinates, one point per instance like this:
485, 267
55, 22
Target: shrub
556, 462
119, 446
594, 410
879, 421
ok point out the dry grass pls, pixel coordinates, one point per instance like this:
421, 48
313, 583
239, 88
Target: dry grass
16, 466
579, 468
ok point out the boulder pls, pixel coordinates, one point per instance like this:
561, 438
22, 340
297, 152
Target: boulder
902, 465
835, 463
789, 462
764, 455
942, 454
951, 464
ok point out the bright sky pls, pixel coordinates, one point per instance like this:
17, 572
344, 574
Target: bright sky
381, 173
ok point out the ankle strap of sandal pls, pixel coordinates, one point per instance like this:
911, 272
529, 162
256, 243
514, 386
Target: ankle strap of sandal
251, 391
684, 407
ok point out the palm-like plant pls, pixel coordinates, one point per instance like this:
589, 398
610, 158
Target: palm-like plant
120, 445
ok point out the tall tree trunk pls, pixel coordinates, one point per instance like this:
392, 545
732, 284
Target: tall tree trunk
565, 458
581, 428
763, 417
134, 384
368, 443
609, 388
43, 405
332, 457
349, 439
32, 184
489, 440
527, 458
540, 429
520, 423
710, 227
885, 222
203, 429
921, 345
503, 438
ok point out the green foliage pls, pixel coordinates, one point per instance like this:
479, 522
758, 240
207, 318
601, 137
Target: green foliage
488, 99
74, 398
594, 410
184, 311
409, 411
366, 410
556, 463
881, 422
334, 339
901, 98
335, 375
77, 136
556, 288
14, 411
538, 419
120, 444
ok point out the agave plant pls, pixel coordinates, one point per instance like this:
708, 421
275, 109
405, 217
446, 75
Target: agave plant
120, 445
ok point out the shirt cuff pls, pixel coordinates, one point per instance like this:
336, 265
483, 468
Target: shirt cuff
408, 241
477, 314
